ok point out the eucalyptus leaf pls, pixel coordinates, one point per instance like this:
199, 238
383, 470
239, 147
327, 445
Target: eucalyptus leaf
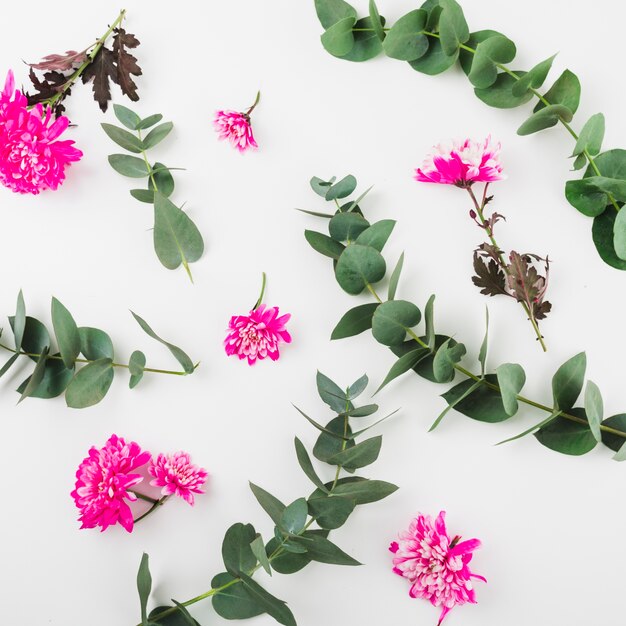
545, 118
128, 118
483, 403
355, 321
359, 266
568, 382
338, 40
177, 353
293, 518
363, 491
405, 39
330, 512
393, 319
157, 135
36, 377
95, 344
347, 226
342, 188
19, 321
453, 29
236, 551
395, 278
429, 322
591, 136
123, 138
446, 357
163, 180
375, 18
129, 166
234, 602
148, 122
359, 455
565, 91
35, 336
435, 60
90, 384
511, 380
367, 45
329, 446
489, 53
330, 12
358, 387
585, 196
144, 586
272, 606
500, 94
136, 367
534, 78
325, 551
594, 409
566, 436
324, 244
307, 466
619, 230
603, 232
56, 377
376, 235
66, 333
271, 505
333, 395
404, 364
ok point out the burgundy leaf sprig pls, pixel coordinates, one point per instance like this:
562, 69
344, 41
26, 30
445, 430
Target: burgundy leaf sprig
518, 276
96, 63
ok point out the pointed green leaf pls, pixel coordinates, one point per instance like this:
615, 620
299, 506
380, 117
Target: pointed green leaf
429, 322
66, 332
355, 321
375, 18
144, 587
454, 403
7, 366
405, 363
377, 234
591, 136
123, 138
395, 278
234, 602
271, 505
272, 606
148, 122
129, 118
333, 395
129, 166
36, 377
483, 404
568, 381
307, 466
482, 355
594, 409
545, 118
330, 12
324, 244
157, 135
360, 455
56, 377
19, 321
293, 518
364, 491
324, 551
178, 354
453, 29
566, 436
236, 551
532, 429
565, 91
534, 78
258, 549
95, 344
330, 512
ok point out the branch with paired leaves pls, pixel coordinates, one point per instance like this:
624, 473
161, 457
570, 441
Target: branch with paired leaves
355, 245
96, 63
177, 240
301, 528
84, 380
435, 37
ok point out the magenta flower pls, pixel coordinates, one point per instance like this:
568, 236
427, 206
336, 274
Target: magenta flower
236, 127
103, 483
436, 566
257, 335
177, 475
31, 158
462, 164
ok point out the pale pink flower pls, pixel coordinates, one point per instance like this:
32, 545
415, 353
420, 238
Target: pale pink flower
103, 483
462, 163
236, 128
31, 158
436, 566
257, 335
177, 475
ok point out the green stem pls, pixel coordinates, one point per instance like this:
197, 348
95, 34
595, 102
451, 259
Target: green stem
522, 399
260, 298
254, 104
155, 505
58, 357
480, 208
88, 61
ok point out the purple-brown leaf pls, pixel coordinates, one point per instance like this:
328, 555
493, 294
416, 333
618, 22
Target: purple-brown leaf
100, 70
489, 276
127, 65
61, 62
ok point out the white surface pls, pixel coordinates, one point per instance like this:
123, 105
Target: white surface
551, 525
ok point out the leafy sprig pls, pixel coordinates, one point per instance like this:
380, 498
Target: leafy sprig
355, 246
84, 380
436, 37
177, 240
96, 63
301, 528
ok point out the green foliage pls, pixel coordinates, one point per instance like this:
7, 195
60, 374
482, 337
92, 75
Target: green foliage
359, 266
177, 240
235, 593
432, 39
355, 321
144, 586
483, 396
85, 381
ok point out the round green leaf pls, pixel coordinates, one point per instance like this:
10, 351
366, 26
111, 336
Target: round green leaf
619, 232
339, 39
377, 234
500, 96
287, 562
566, 436
511, 379
357, 266
591, 136
392, 319
453, 29
424, 367
136, 366
35, 336
163, 179
233, 602
565, 91
465, 56
484, 404
347, 226
341, 189
612, 440
496, 49
95, 344
56, 378
434, 61
331, 512
90, 384
328, 445
405, 40
236, 551
567, 382
367, 45
603, 238
330, 12
585, 196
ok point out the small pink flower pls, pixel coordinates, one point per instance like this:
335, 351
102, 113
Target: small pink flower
257, 335
31, 158
177, 475
103, 483
436, 566
462, 164
236, 127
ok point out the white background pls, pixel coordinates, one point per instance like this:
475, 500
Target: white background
551, 525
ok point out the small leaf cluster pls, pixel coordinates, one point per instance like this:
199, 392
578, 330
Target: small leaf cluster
85, 379
435, 37
356, 246
177, 240
301, 527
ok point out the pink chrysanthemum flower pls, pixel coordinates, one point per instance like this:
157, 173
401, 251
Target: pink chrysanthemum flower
436, 566
103, 483
177, 475
257, 335
462, 164
236, 128
31, 158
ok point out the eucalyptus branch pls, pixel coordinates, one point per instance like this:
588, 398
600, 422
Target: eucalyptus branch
294, 545
355, 245
56, 373
436, 37
177, 240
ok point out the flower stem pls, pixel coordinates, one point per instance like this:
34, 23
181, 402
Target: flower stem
254, 104
481, 379
58, 357
480, 211
155, 505
260, 298
86, 63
